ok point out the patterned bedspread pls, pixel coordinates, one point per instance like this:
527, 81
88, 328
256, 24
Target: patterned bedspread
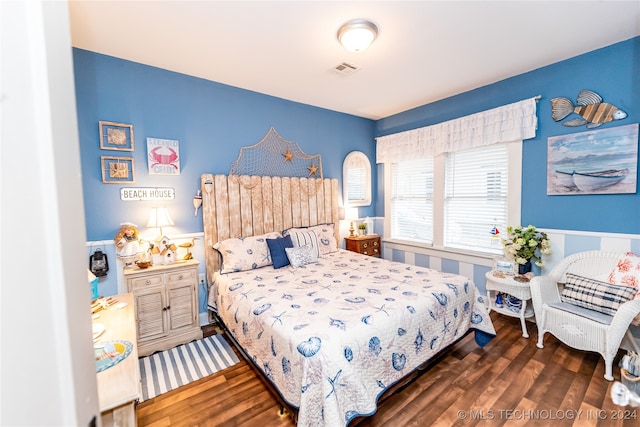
332, 336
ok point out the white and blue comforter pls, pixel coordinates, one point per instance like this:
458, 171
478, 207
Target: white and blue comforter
332, 336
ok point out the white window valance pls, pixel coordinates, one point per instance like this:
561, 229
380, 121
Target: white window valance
512, 122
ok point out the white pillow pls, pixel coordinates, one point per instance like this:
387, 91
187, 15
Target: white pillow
304, 236
245, 253
301, 255
326, 238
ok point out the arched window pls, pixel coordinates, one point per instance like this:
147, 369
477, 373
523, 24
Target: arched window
356, 180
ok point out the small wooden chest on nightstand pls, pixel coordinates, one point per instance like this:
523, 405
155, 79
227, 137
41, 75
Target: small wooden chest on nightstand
367, 245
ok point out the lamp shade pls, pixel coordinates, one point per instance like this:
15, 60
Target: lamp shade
357, 34
351, 214
159, 218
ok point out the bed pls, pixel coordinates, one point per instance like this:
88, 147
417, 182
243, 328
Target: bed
332, 335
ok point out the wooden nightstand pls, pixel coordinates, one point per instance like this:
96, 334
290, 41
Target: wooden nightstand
367, 245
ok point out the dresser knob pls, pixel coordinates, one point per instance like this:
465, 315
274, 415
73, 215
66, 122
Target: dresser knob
375, 243
180, 277
365, 245
147, 282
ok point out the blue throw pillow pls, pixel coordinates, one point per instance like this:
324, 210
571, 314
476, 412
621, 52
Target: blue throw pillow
278, 254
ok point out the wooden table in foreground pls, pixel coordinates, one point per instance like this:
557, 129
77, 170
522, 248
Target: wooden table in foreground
119, 386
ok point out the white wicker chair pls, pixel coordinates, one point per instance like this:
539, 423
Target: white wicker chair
576, 330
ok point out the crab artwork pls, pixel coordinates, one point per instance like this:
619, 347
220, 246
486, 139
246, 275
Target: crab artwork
163, 157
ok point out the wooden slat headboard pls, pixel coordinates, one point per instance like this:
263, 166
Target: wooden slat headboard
242, 206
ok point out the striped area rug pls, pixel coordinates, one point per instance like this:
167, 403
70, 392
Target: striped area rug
167, 370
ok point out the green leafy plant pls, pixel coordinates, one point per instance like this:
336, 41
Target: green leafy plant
526, 243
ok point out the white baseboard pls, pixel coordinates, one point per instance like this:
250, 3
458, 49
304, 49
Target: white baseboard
204, 318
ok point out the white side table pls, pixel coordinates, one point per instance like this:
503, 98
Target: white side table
508, 285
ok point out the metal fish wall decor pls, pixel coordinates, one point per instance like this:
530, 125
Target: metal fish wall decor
589, 106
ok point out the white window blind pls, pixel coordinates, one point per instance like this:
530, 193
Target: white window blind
356, 177
412, 200
476, 197
356, 185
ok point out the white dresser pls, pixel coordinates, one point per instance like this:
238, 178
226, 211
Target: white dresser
166, 305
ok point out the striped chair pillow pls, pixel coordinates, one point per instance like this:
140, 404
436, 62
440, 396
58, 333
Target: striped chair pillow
595, 295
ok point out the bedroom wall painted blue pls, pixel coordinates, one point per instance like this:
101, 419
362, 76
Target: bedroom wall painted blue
613, 72
210, 120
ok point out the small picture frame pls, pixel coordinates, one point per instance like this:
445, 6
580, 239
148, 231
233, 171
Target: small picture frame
116, 136
503, 267
117, 170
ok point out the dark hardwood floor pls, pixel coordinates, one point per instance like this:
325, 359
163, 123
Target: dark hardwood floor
508, 382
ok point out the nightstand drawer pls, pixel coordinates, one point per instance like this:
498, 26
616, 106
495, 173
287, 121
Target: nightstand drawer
178, 276
142, 282
366, 245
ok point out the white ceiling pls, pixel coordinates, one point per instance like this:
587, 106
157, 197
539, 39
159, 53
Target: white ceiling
425, 50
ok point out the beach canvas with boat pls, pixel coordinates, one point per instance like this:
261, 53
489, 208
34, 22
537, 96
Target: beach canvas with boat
603, 161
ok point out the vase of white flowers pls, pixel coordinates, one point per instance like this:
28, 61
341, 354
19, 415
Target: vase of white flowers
526, 244
524, 268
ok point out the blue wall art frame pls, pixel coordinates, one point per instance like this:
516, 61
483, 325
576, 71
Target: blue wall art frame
603, 161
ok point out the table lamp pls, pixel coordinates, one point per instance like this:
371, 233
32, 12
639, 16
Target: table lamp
351, 214
159, 218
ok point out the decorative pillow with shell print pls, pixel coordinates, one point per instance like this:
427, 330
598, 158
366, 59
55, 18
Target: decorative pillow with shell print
301, 255
245, 253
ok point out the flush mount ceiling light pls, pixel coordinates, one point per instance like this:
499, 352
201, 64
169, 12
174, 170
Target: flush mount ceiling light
357, 34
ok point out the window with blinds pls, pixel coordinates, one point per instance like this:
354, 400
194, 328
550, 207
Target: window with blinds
411, 200
356, 180
476, 197
356, 188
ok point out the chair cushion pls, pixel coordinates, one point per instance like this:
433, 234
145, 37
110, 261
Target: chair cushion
596, 316
595, 295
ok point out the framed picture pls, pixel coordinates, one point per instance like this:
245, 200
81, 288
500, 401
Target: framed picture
603, 161
503, 267
117, 170
163, 156
116, 136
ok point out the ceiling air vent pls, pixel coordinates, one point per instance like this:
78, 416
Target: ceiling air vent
345, 69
